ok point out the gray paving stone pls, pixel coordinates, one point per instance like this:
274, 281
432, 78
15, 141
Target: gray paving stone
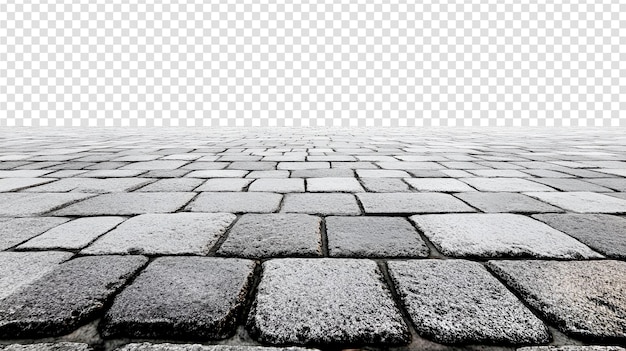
92, 185
274, 235
618, 195
333, 184
268, 174
373, 237
235, 202
381, 173
205, 166
166, 173
164, 234
197, 347
23, 173
458, 301
586, 299
291, 166
22, 268
172, 184
353, 165
571, 348
498, 235
505, 184
224, 184
31, 204
113, 173
16, 230
384, 185
57, 346
321, 173
506, 202
120, 204
136, 158
618, 184
12, 184
157, 164
73, 235
429, 173
291, 185
253, 166
438, 184
386, 203
583, 202
65, 298
498, 173
219, 173
198, 298
406, 165
341, 301
324, 204
569, 184
67, 173
603, 233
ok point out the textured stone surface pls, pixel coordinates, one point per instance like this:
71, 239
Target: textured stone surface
220, 173
373, 237
506, 202
73, 235
58, 346
198, 347
505, 184
181, 297
584, 299
324, 204
340, 301
383, 185
438, 184
278, 185
568, 184
411, 203
224, 184
274, 235
172, 184
128, 204
22, 268
92, 185
17, 230
333, 184
498, 235
12, 184
571, 348
65, 298
164, 234
235, 202
457, 301
583, 202
604, 233
23, 205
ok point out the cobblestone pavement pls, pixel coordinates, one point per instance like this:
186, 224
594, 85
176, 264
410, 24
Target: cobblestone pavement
265, 239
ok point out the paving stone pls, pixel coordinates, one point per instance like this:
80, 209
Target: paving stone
618, 195
158, 164
31, 204
253, 166
24, 173
334, 158
136, 158
373, 237
603, 233
586, 299
72, 294
438, 184
197, 347
290, 166
164, 234
458, 301
324, 204
121, 204
456, 173
406, 165
274, 235
321, 173
353, 165
428, 173
568, 184
92, 185
57, 346
16, 230
291, 185
12, 184
384, 185
616, 171
240, 158
411, 203
505, 184
182, 157
67, 173
166, 173
22, 268
618, 184
381, 173
220, 173
334, 184
206, 166
73, 235
498, 235
224, 184
571, 348
500, 173
198, 297
172, 184
341, 301
583, 202
546, 173
506, 202
235, 202
268, 174
113, 173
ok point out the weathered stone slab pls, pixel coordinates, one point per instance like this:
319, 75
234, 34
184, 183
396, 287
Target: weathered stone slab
268, 174
334, 184
236, 202
198, 347
22, 268
384, 185
12, 184
92, 185
181, 297
324, 204
385, 203
618, 184
113, 173
24, 173
253, 166
586, 299
498, 173
498, 235
164, 234
157, 164
373, 237
57, 346
505, 184
291, 166
568, 184
224, 184
322, 172
121, 204
438, 184
381, 173
73, 235
291, 185
583, 202
340, 301
406, 165
458, 301
220, 173
506, 202
65, 298
16, 230
27, 204
172, 184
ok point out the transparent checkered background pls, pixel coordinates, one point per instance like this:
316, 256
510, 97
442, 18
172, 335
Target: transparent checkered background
313, 63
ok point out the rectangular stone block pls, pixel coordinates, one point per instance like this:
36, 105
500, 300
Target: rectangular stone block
235, 202
73, 235
123, 204
27, 204
388, 203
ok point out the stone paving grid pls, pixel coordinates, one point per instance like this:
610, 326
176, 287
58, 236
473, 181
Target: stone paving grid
303, 180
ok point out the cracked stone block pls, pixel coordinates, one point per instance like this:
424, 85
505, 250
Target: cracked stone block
173, 184
506, 202
373, 237
17, 230
197, 347
292, 166
164, 234
505, 184
438, 184
498, 235
224, 184
181, 297
158, 164
274, 235
386, 203
123, 204
22, 268
290, 185
566, 184
30, 204
334, 184
381, 173
341, 301
220, 173
73, 235
571, 348
12, 184
324, 204
583, 202
57, 346
458, 301
603, 233
384, 185
235, 202
92, 185
69, 296
585, 299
